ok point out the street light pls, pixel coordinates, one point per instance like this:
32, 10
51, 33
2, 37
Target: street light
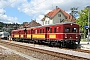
88, 22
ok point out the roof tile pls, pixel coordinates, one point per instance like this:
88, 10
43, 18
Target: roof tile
55, 11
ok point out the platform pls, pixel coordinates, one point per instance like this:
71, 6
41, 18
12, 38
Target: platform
85, 45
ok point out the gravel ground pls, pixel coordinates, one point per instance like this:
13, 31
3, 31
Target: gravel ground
27, 52
75, 53
8, 55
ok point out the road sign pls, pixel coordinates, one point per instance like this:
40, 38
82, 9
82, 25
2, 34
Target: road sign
86, 27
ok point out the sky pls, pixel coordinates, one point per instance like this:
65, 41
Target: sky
19, 11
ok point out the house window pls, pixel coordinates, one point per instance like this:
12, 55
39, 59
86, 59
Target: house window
48, 22
59, 15
45, 22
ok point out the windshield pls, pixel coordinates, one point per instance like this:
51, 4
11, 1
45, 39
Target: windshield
74, 30
67, 29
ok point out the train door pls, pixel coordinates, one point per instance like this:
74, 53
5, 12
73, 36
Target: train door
46, 31
31, 33
25, 32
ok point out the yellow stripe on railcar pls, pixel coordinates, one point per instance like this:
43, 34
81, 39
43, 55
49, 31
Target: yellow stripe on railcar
28, 35
38, 36
22, 36
16, 36
52, 36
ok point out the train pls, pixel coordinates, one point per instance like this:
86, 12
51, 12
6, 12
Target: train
61, 34
4, 35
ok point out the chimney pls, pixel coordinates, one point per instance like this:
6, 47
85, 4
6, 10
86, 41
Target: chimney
56, 7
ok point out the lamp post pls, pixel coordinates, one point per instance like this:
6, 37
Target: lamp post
88, 22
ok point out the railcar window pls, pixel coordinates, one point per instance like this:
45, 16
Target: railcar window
67, 29
33, 31
36, 31
43, 31
47, 28
74, 30
40, 30
50, 30
5, 34
55, 30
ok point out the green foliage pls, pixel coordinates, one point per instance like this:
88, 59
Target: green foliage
8, 27
83, 19
1, 24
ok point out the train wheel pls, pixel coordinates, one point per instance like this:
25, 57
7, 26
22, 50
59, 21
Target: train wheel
50, 44
39, 42
79, 41
60, 45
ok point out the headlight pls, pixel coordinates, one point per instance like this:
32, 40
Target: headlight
65, 37
76, 37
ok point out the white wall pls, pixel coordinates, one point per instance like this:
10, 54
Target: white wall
47, 21
57, 19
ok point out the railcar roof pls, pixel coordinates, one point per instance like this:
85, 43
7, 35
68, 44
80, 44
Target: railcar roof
19, 29
54, 24
4, 32
46, 25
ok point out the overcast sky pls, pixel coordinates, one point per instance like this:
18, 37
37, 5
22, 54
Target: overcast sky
19, 11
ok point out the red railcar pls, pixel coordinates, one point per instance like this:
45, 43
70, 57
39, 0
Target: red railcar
63, 33
15, 34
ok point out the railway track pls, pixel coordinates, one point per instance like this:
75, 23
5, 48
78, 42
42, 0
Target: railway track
40, 53
78, 50
72, 49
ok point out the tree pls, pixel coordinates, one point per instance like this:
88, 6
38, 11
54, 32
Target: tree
83, 20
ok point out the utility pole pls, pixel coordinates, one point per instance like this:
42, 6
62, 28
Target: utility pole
74, 12
88, 22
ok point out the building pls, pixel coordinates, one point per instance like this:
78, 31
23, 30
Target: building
57, 16
33, 23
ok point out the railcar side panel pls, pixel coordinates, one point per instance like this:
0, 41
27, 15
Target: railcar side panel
71, 32
55, 32
22, 33
16, 34
28, 36
39, 33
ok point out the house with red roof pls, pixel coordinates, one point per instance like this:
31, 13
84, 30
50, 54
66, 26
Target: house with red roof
57, 16
33, 23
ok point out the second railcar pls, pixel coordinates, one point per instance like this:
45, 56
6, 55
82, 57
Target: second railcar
4, 35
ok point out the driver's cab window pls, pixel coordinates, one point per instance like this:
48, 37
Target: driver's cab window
67, 29
74, 30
